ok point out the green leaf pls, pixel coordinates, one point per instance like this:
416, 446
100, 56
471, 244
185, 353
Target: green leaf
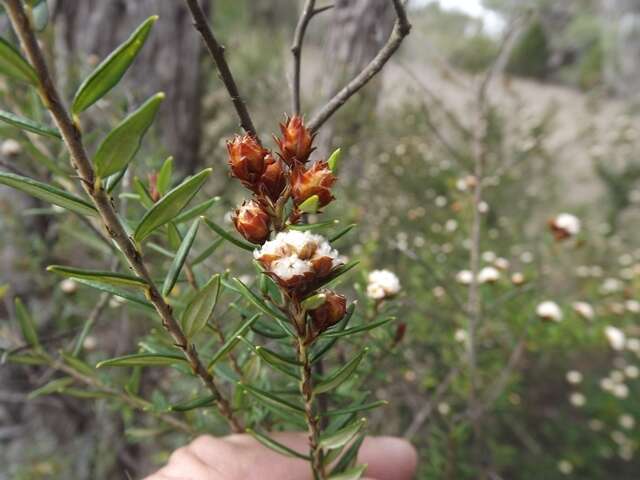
123, 142
54, 386
276, 358
180, 258
358, 329
310, 205
104, 287
143, 193
142, 359
333, 160
342, 436
258, 302
196, 211
163, 182
272, 400
354, 473
109, 278
13, 65
314, 226
78, 364
342, 233
197, 313
350, 456
276, 446
268, 333
356, 408
113, 181
314, 301
206, 401
48, 193
207, 252
27, 325
232, 340
339, 376
170, 205
111, 69
230, 238
29, 125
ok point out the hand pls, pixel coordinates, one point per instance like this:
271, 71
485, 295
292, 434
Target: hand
240, 457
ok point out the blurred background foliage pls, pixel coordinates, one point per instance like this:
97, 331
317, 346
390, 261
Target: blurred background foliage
558, 400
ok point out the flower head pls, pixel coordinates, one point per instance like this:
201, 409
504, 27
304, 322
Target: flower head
247, 159
317, 180
297, 259
549, 311
329, 313
464, 277
488, 275
274, 179
296, 142
382, 284
584, 309
616, 337
564, 226
10, 148
252, 222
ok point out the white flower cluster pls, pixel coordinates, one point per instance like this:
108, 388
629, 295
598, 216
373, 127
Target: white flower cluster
616, 337
567, 222
293, 253
549, 311
382, 284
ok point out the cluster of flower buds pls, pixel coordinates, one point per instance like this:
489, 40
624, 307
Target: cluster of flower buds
564, 226
274, 179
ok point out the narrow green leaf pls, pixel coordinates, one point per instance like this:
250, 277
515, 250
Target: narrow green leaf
197, 313
78, 364
195, 211
272, 400
110, 278
354, 473
114, 180
356, 408
333, 160
339, 376
142, 359
310, 205
317, 355
206, 401
268, 333
350, 456
24, 359
27, 325
54, 386
276, 446
314, 301
104, 287
111, 69
314, 226
339, 272
232, 340
180, 258
207, 252
163, 182
229, 237
48, 193
123, 142
358, 329
272, 357
170, 205
29, 125
257, 301
143, 194
13, 65
342, 436
83, 393
342, 232
174, 237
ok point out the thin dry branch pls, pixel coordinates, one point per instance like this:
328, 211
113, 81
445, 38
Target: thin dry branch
401, 29
296, 50
217, 53
100, 198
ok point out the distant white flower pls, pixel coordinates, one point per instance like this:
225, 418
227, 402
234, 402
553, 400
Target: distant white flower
68, 286
444, 408
517, 278
565, 225
483, 207
584, 309
577, 399
526, 257
615, 337
633, 345
565, 467
626, 421
549, 311
632, 306
382, 284
464, 277
488, 275
631, 371
574, 377
10, 148
460, 335
621, 390
610, 285
501, 263
488, 256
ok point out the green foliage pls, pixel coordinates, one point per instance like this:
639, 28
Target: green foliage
530, 56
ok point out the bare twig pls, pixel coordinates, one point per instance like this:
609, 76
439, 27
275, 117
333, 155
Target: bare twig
217, 53
81, 163
401, 29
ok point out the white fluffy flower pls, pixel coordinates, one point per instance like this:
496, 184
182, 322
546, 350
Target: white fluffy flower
382, 284
10, 148
632, 306
577, 399
464, 277
488, 275
584, 309
568, 223
68, 286
565, 467
574, 377
626, 421
549, 311
616, 337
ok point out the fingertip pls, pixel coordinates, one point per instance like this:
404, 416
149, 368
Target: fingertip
389, 458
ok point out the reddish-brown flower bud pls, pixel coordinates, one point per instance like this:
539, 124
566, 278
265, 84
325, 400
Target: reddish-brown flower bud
252, 222
330, 312
153, 187
274, 179
401, 331
296, 140
247, 159
317, 180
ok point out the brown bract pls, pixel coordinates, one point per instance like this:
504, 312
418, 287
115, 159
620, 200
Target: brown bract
274, 179
252, 222
329, 313
247, 159
296, 142
317, 180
